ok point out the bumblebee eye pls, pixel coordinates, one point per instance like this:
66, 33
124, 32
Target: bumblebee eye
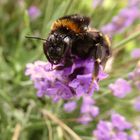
59, 50
50, 49
67, 40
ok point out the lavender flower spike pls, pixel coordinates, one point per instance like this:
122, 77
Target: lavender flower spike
88, 110
124, 19
70, 106
119, 122
116, 129
135, 53
137, 104
120, 88
34, 12
63, 84
104, 130
134, 76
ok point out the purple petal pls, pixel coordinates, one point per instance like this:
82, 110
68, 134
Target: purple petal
94, 111
70, 106
119, 122
135, 53
103, 131
84, 119
64, 84
34, 12
137, 104
120, 88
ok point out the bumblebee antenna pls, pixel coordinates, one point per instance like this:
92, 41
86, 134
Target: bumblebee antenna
34, 37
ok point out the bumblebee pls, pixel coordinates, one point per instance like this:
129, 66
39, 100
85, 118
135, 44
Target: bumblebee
71, 37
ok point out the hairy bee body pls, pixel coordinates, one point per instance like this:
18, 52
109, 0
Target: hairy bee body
71, 37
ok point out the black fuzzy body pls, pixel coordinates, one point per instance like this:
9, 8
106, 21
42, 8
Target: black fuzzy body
71, 38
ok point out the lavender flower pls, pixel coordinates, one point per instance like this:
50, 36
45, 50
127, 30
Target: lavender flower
120, 88
88, 106
133, 3
120, 136
135, 53
104, 130
34, 12
63, 84
94, 111
137, 103
84, 119
116, 129
135, 135
134, 76
70, 106
124, 19
88, 110
119, 122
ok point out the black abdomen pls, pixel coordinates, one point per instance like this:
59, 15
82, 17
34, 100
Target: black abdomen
84, 46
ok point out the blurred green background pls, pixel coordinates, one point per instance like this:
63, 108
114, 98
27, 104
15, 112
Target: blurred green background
20, 108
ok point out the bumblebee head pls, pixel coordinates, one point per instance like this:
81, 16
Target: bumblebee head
55, 47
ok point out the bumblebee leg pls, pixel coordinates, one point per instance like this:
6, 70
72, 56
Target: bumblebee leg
94, 74
96, 69
98, 60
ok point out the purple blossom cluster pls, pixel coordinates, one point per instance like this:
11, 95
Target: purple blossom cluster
137, 104
135, 53
34, 12
133, 3
124, 19
116, 129
120, 88
70, 106
88, 110
134, 76
70, 82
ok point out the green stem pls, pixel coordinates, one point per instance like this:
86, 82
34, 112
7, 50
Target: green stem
40, 124
59, 122
103, 95
50, 134
125, 41
87, 138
